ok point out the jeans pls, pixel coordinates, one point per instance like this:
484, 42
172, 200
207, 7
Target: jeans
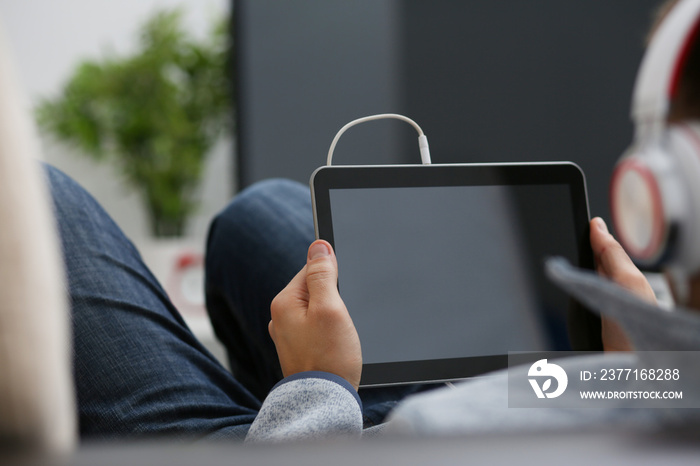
139, 370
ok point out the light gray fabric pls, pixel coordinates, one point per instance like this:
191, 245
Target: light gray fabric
650, 327
481, 405
37, 408
652, 330
307, 408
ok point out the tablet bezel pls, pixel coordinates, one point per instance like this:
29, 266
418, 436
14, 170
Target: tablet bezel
326, 178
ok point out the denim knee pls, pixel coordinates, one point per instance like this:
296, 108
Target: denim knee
270, 221
268, 203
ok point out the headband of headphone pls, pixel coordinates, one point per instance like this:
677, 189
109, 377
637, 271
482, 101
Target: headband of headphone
660, 71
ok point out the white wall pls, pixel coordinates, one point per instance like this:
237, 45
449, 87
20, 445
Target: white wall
49, 37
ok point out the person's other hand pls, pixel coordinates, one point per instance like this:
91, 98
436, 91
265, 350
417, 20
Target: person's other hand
613, 263
310, 325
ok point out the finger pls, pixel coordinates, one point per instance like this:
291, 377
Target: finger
610, 257
322, 273
614, 263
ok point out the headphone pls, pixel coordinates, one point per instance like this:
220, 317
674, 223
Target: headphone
655, 186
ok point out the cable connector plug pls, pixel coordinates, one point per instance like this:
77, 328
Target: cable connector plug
424, 149
422, 139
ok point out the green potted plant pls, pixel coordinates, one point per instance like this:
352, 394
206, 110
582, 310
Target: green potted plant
154, 114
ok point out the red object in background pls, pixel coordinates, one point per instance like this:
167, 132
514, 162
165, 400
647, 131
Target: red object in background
185, 284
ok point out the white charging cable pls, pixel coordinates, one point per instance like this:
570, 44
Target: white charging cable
422, 139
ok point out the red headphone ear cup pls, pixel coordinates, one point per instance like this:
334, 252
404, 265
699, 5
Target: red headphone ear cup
637, 210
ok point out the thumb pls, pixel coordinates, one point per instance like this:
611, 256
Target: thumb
614, 263
609, 254
321, 272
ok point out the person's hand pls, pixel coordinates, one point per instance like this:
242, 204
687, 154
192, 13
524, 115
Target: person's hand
310, 325
613, 263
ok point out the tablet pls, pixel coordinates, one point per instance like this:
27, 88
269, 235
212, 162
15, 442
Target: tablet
441, 266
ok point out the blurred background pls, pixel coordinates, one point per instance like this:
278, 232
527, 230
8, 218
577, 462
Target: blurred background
49, 40
488, 80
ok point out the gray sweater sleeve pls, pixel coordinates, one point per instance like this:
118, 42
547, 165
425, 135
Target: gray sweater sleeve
308, 405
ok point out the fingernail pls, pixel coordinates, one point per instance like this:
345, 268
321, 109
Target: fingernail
600, 223
319, 249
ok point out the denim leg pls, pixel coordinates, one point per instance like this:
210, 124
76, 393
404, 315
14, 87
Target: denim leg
138, 368
256, 245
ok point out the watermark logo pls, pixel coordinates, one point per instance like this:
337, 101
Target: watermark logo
568, 379
546, 372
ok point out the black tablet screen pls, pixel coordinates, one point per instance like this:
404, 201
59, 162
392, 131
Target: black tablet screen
440, 273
